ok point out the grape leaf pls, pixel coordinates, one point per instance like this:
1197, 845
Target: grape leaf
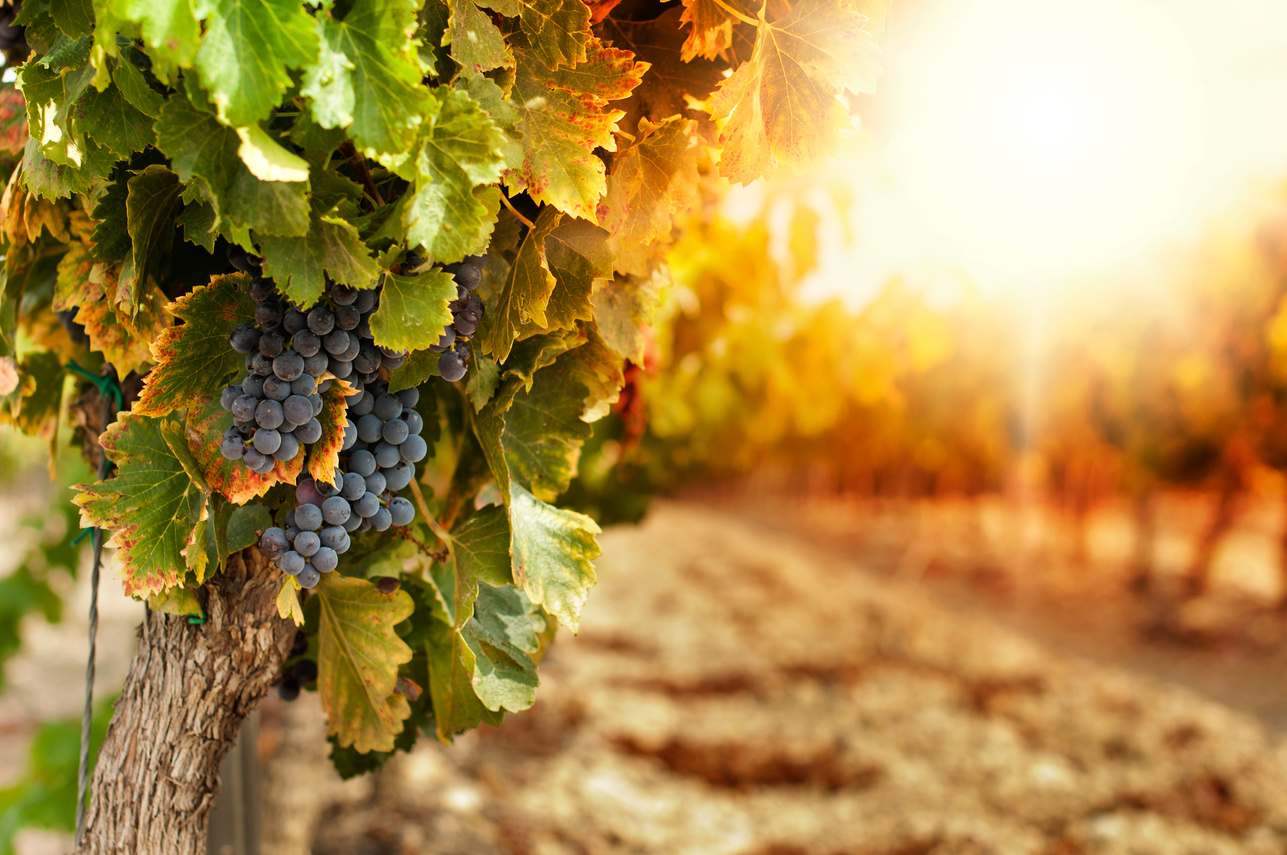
36, 395
533, 354
170, 29
544, 431
651, 181
476, 42
288, 601
557, 31
577, 254
563, 117
358, 657
194, 360
324, 455
523, 295
674, 84
152, 503
484, 377
781, 105
419, 367
553, 550
246, 53
124, 340
301, 265
596, 366
413, 310
13, 120
150, 206
205, 153
367, 77
502, 635
481, 546
623, 311
206, 422
461, 149
712, 30
456, 706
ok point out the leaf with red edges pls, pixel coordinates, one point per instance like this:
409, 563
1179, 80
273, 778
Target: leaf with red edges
194, 360
205, 425
324, 455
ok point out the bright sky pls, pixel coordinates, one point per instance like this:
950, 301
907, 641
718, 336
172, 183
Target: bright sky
1036, 141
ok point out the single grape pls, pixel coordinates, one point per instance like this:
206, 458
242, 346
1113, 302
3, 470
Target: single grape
335, 510
362, 462
409, 397
415, 424
276, 389
262, 365
320, 321
397, 477
308, 518
395, 432
297, 409
253, 385
363, 405
255, 459
376, 483
462, 349
327, 489
316, 365
466, 324
364, 329
306, 492
271, 343
334, 536
261, 289
267, 440
309, 577
340, 368
305, 343
250, 362
343, 295
291, 562
401, 511
273, 542
304, 385
291, 533
305, 671
347, 317
316, 401
370, 427
387, 407
245, 428
380, 520
307, 543
325, 559
445, 341
268, 314
228, 395
365, 301
289, 365
367, 505
288, 688
469, 277
353, 487
335, 342
387, 455
367, 360
244, 338
352, 524
350, 353
288, 449
451, 367
243, 408
393, 363
350, 436
293, 321
413, 449
288, 522
475, 305
232, 446
237, 258
268, 414
309, 432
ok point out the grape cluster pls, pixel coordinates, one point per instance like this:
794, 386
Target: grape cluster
466, 313
287, 349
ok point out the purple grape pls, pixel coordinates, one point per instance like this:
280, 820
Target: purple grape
451, 367
244, 338
267, 440
307, 543
268, 414
335, 510
291, 563
401, 511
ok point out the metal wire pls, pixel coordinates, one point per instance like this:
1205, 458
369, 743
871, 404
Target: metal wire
87, 717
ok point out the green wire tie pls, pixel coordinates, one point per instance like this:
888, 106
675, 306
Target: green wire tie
193, 619
83, 533
106, 385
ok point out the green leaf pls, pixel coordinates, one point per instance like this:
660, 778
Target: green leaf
75, 18
413, 310
246, 524
476, 41
152, 503
37, 390
367, 77
150, 208
502, 635
533, 354
484, 377
419, 367
358, 657
267, 159
553, 550
481, 546
523, 295
461, 149
170, 30
563, 117
247, 51
651, 181
205, 154
781, 105
194, 359
577, 254
301, 265
50, 180
623, 310
544, 432
557, 31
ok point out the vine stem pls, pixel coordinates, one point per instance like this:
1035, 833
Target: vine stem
736, 14
522, 219
443, 537
358, 162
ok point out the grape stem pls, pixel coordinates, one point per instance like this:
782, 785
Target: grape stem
443, 537
358, 162
522, 219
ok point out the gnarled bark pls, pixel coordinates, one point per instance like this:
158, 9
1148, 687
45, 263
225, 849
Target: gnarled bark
187, 692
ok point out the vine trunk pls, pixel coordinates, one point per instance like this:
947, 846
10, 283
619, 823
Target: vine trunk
188, 690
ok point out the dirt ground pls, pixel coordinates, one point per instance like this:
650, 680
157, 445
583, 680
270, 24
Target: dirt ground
789, 678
